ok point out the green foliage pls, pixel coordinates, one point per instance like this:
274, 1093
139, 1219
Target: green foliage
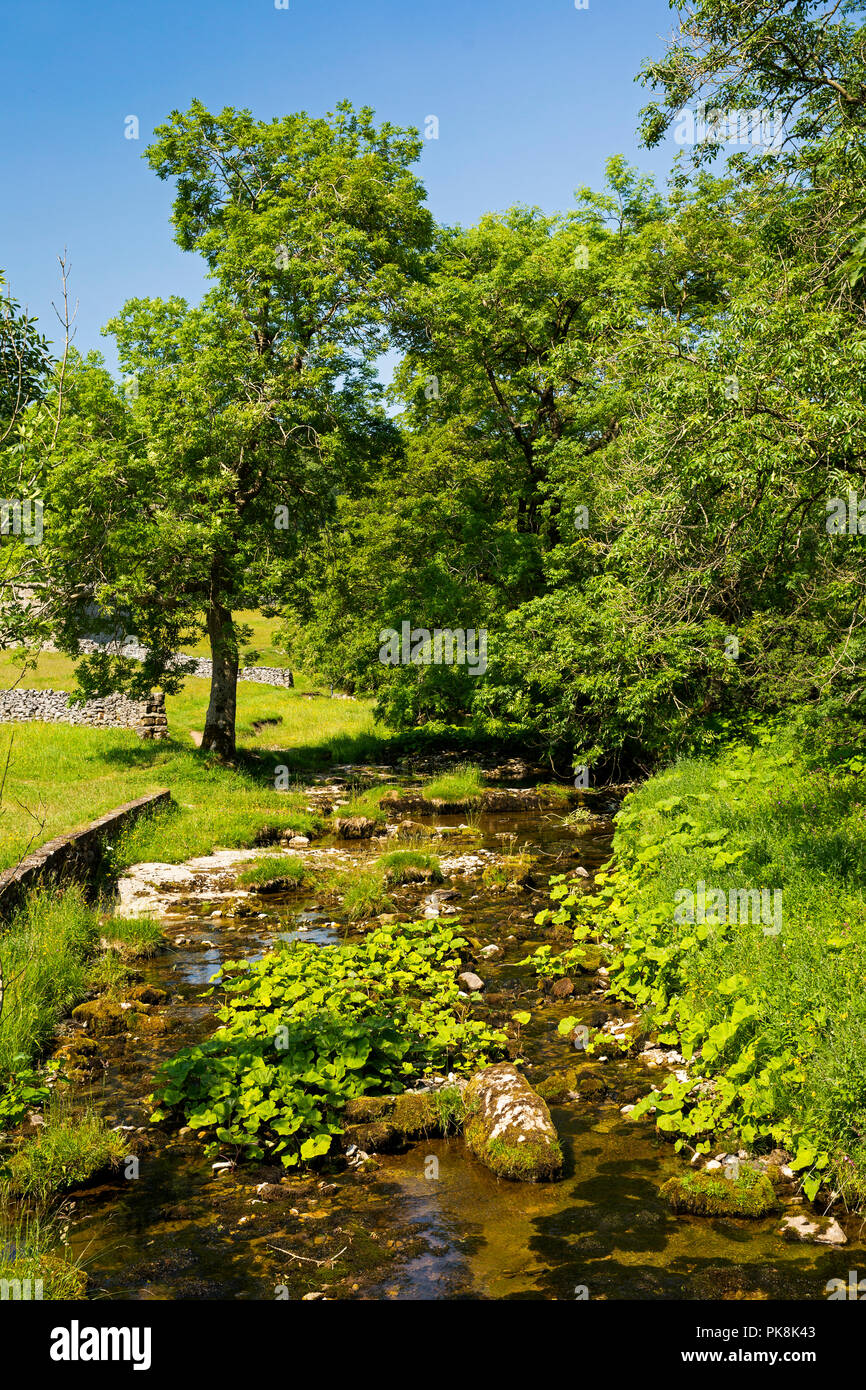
308, 1027
246, 413
27, 1090
773, 1026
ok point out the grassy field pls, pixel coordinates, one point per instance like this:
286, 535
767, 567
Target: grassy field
261, 641
59, 777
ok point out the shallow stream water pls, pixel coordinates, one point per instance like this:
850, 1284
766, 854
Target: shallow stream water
416, 1228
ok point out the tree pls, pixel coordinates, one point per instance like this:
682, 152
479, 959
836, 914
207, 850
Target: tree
241, 418
25, 364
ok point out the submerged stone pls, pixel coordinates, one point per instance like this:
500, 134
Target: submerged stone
556, 1089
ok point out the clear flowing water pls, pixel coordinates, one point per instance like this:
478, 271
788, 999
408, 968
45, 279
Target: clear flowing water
429, 1223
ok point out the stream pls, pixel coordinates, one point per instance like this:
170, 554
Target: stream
430, 1222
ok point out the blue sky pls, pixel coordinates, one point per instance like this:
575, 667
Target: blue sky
531, 96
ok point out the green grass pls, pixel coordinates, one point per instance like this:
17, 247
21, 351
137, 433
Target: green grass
67, 1151
364, 893
264, 631
60, 777
134, 939
109, 975
273, 869
46, 953
464, 784
555, 791
367, 804
405, 866
32, 1249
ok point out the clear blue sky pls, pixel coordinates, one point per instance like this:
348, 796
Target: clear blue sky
531, 96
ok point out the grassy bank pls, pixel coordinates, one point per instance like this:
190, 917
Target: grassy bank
51, 960
59, 777
46, 952
764, 997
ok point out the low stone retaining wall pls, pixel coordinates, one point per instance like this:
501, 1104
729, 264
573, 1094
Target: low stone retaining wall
146, 717
72, 857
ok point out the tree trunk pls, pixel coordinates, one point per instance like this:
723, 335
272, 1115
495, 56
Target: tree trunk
219, 727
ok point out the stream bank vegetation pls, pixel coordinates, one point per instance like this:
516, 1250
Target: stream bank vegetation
771, 1025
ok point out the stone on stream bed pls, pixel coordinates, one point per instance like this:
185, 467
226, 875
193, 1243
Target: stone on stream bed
101, 1017
508, 1126
562, 1086
710, 1194
355, 827
383, 1122
821, 1231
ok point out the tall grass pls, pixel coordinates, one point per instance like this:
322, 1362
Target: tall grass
45, 953
68, 1150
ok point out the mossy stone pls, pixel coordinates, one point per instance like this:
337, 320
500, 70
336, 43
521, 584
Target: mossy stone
556, 1089
508, 1126
712, 1194
102, 1017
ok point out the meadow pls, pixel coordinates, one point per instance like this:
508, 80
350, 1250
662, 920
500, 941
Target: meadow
58, 777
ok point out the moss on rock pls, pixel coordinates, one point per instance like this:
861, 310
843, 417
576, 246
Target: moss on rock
412, 1115
508, 1126
557, 1088
712, 1194
101, 1017
514, 871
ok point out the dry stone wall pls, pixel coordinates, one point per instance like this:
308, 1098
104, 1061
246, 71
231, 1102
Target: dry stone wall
146, 717
200, 666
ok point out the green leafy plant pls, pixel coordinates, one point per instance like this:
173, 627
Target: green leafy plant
308, 1027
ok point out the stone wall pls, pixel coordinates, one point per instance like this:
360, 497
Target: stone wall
200, 666
72, 857
147, 717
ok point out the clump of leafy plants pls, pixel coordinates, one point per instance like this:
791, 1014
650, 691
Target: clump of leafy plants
308, 1027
